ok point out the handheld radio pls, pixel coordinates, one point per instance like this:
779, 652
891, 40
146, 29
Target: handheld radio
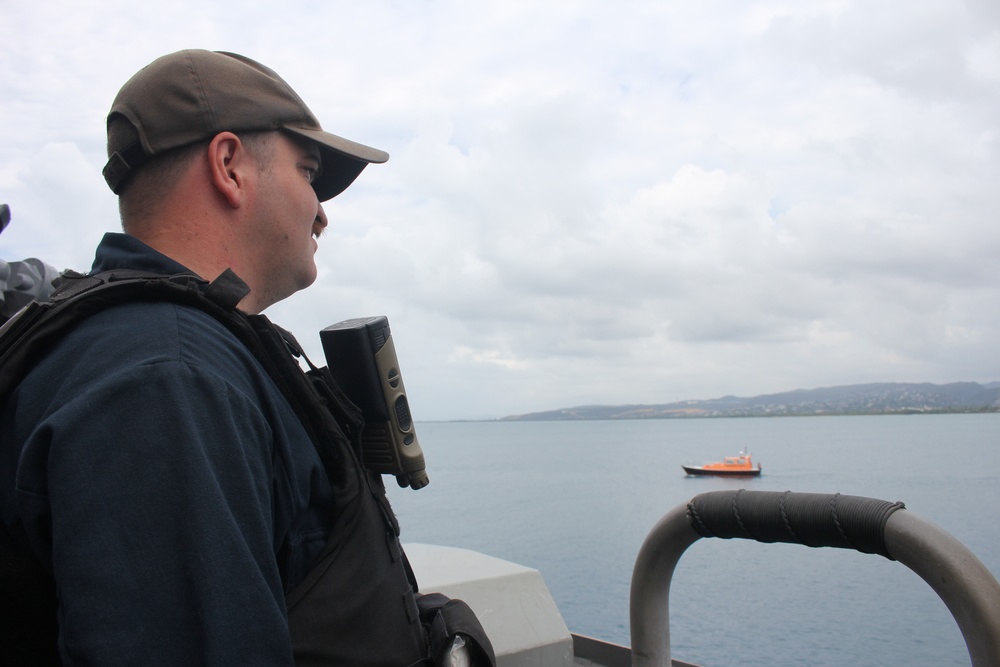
362, 358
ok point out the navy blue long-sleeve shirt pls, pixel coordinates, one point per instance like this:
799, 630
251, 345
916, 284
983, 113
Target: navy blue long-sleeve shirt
152, 465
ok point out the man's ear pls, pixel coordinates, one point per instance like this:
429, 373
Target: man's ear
228, 161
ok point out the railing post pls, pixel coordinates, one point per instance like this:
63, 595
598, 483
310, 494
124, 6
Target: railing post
963, 583
650, 592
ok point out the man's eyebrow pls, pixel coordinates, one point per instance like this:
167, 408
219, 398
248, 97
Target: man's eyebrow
307, 148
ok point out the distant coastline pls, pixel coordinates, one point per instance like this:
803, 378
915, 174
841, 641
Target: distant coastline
886, 398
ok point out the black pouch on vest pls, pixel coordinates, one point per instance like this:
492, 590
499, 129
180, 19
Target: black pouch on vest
445, 618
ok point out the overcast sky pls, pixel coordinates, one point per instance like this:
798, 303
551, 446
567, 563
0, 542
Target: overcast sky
588, 202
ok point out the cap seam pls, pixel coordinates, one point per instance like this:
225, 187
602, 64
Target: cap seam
202, 93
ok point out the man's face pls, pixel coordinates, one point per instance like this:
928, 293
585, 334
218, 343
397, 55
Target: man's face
287, 220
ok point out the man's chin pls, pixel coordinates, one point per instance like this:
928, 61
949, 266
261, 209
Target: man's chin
309, 278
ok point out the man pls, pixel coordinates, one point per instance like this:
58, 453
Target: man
150, 462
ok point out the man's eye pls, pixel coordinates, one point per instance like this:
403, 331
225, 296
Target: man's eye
311, 172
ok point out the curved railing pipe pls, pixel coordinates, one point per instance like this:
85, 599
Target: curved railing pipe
867, 525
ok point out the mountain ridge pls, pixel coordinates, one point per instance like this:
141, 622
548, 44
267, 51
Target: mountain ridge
870, 398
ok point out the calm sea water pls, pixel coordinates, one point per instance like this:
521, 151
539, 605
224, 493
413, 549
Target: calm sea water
576, 499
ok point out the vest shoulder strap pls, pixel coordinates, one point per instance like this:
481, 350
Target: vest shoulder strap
31, 332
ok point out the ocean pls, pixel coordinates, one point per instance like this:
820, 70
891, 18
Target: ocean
576, 499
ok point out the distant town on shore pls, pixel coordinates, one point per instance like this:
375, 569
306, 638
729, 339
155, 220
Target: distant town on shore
856, 399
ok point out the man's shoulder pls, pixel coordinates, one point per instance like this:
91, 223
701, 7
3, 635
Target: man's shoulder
115, 357
146, 333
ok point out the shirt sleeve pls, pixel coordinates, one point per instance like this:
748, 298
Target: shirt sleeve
158, 491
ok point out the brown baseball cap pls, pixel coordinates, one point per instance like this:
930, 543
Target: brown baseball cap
193, 95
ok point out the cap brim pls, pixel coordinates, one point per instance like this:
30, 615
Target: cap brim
343, 160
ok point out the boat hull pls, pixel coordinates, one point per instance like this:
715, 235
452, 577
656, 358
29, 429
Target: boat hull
717, 472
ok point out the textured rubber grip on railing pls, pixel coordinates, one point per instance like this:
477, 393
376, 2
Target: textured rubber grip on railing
812, 519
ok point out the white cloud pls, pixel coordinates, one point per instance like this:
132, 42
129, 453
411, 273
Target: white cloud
589, 202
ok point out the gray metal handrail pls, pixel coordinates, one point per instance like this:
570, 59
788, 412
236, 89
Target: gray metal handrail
868, 525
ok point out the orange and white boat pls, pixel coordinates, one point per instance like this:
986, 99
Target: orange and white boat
740, 465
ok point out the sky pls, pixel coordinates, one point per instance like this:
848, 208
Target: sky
587, 202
